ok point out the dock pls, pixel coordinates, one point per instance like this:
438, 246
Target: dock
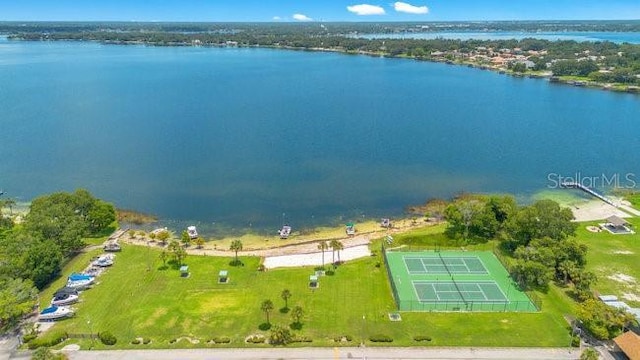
576, 185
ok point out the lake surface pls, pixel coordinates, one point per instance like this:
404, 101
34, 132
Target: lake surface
579, 36
246, 137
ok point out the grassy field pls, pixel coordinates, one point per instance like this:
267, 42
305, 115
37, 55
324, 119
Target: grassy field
614, 259
137, 298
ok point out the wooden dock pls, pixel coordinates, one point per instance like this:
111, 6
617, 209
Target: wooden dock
576, 185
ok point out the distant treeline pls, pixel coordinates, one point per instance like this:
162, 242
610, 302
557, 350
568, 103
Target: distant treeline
326, 27
607, 62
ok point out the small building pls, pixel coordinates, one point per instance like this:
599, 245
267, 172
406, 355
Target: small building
385, 223
223, 277
629, 344
617, 225
184, 271
313, 282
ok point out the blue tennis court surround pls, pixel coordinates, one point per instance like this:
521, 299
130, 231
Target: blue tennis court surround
417, 265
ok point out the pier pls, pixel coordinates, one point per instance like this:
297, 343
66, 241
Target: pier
577, 185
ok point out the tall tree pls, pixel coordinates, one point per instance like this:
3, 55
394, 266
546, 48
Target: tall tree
17, 298
322, 246
267, 307
185, 238
236, 245
336, 245
285, 295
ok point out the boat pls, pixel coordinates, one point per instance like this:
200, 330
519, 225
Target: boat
350, 229
80, 281
53, 313
112, 246
285, 231
193, 233
64, 296
104, 261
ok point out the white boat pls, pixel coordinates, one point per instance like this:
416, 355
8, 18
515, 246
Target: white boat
104, 261
80, 281
53, 313
285, 231
193, 233
64, 296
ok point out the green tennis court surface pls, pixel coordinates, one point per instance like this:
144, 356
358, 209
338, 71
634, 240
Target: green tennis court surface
453, 281
435, 291
457, 265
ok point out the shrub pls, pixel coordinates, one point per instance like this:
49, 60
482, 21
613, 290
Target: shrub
135, 341
301, 339
107, 338
146, 341
342, 338
54, 340
28, 337
422, 338
221, 340
380, 338
575, 341
256, 339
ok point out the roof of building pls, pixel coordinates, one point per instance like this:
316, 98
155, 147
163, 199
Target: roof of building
607, 298
629, 343
616, 220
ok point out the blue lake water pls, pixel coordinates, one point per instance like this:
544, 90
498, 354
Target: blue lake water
240, 137
580, 36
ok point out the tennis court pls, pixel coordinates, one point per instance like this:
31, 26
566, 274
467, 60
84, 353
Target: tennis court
457, 265
453, 281
434, 291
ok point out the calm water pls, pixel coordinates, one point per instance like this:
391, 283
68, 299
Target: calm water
239, 137
580, 36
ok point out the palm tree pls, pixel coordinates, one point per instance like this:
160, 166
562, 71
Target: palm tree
236, 245
267, 307
286, 294
323, 246
336, 245
9, 203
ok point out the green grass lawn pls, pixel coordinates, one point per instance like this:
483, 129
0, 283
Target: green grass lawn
609, 255
135, 298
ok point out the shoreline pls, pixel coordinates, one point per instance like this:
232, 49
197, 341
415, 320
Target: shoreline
582, 82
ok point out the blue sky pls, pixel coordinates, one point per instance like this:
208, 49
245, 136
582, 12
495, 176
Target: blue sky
317, 10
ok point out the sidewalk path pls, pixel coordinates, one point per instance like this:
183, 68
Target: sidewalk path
334, 353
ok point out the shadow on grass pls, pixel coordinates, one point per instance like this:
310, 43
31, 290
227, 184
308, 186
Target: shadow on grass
236, 263
296, 326
264, 326
284, 310
163, 267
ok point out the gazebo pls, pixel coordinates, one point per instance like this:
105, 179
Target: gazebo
184, 271
617, 225
313, 282
223, 277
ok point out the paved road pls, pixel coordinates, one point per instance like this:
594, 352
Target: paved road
332, 354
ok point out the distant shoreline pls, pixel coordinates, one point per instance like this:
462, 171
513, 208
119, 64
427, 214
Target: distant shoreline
566, 80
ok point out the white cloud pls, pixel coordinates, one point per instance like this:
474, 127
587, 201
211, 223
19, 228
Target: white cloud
410, 9
301, 17
276, 18
366, 9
